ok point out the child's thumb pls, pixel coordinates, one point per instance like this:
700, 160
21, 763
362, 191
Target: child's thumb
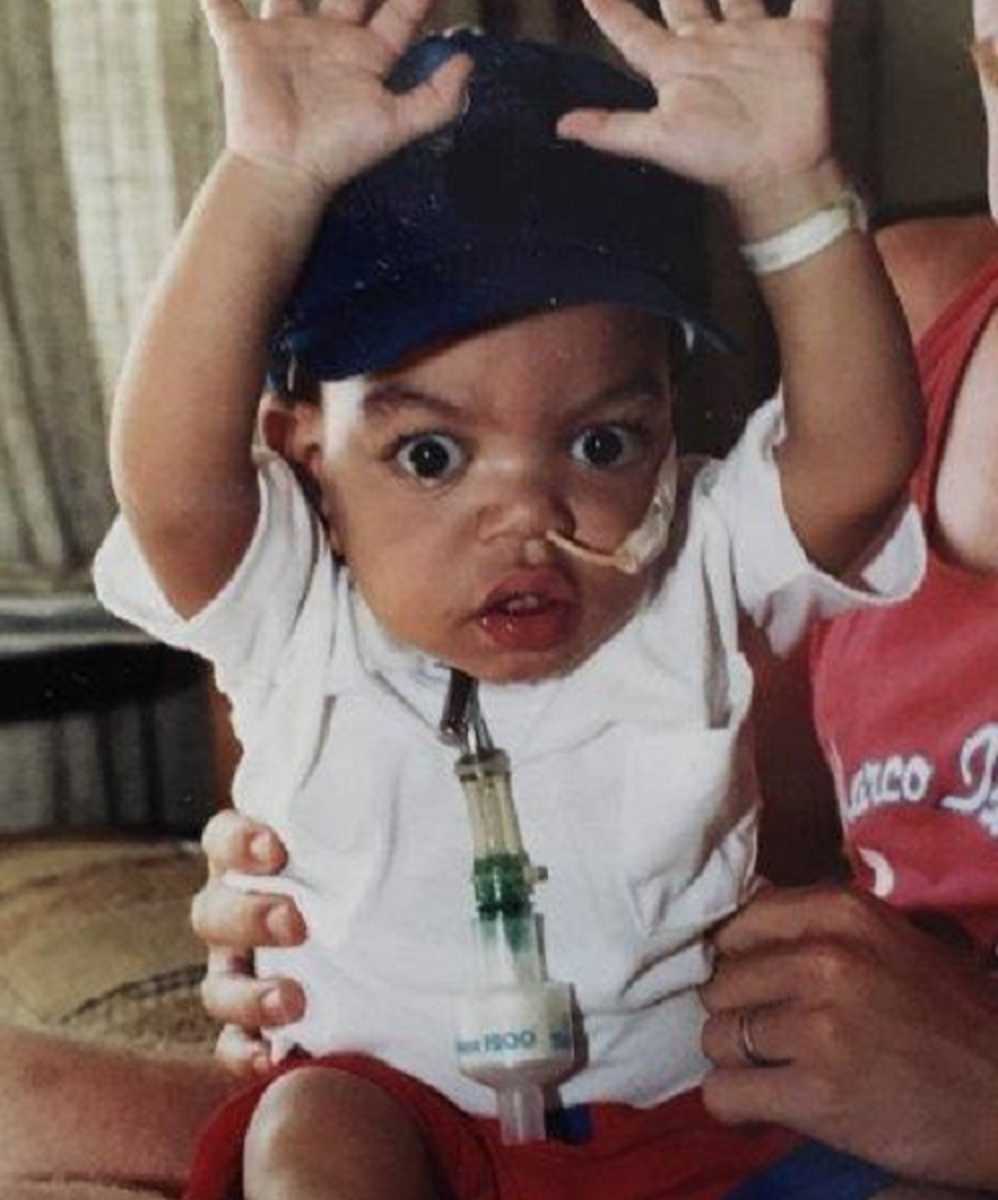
438, 99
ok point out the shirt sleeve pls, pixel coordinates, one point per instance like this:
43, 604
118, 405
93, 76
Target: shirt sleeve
283, 589
775, 582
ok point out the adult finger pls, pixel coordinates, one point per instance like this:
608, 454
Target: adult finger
232, 996
220, 14
777, 1095
738, 1037
397, 22
223, 916
776, 974
792, 914
639, 39
242, 1052
233, 842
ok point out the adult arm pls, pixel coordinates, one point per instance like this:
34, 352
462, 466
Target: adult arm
90, 1111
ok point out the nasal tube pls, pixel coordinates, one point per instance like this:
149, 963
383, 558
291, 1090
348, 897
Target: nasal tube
646, 541
514, 1025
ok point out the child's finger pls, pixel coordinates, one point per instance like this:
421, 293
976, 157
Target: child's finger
398, 21
623, 132
354, 11
270, 9
681, 15
639, 39
743, 10
439, 99
814, 10
221, 13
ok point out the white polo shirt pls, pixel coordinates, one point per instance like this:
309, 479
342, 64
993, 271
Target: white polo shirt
632, 776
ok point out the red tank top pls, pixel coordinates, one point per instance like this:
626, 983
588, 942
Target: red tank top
906, 697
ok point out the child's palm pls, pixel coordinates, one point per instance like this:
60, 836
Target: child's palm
306, 92
740, 102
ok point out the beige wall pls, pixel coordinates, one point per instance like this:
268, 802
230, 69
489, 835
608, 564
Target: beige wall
931, 132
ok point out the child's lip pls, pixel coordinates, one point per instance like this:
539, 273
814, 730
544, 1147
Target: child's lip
533, 611
547, 583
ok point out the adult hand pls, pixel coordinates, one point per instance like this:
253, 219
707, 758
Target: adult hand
743, 102
233, 923
885, 1040
304, 91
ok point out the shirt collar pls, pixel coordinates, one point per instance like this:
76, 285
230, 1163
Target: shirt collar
636, 678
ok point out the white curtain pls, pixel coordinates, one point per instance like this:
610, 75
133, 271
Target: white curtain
110, 117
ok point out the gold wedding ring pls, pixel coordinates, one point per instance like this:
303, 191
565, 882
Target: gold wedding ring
746, 1042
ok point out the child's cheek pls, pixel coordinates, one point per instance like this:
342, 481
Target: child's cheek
607, 512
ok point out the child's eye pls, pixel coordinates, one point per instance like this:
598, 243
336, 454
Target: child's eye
430, 457
607, 446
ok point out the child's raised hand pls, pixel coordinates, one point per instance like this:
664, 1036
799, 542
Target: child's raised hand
743, 102
305, 91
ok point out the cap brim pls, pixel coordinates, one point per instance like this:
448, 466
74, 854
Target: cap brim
380, 324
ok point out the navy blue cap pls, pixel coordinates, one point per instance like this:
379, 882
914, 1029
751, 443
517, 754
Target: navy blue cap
494, 217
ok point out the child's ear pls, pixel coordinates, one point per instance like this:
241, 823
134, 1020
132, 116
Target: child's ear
295, 432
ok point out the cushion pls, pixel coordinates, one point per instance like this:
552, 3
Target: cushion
95, 938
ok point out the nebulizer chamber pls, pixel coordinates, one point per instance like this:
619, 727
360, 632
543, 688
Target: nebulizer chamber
514, 1025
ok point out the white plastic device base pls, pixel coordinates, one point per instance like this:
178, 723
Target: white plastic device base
515, 1039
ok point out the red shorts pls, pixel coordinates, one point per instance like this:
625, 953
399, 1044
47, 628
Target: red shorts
674, 1150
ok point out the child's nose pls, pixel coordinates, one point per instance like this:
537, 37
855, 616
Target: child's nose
526, 507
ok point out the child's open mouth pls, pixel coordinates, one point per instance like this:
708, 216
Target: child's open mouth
530, 614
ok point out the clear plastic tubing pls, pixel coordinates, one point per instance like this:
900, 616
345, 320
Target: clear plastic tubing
514, 1027
514, 1030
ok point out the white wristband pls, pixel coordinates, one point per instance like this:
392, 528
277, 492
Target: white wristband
808, 237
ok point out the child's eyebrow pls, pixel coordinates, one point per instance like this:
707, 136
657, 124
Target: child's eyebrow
386, 400
644, 385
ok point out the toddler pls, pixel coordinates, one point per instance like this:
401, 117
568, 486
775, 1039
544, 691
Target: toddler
471, 269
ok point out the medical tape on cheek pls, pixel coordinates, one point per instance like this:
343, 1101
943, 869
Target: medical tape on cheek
647, 540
